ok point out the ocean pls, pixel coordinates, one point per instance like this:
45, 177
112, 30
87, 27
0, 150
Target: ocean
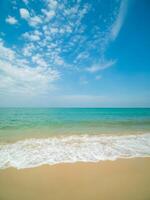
30, 137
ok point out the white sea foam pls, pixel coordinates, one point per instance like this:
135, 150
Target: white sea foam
68, 149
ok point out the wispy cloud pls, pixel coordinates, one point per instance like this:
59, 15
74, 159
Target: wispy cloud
60, 22
59, 36
118, 23
112, 31
101, 66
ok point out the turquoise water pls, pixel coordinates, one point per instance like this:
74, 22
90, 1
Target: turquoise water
22, 123
31, 137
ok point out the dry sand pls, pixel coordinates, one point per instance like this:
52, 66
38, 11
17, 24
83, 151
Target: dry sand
107, 180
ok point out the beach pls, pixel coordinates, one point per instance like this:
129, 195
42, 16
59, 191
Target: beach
74, 154
123, 179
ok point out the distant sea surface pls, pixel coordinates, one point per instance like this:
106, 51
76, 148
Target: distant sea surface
72, 134
22, 123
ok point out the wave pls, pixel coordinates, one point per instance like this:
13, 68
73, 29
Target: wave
69, 149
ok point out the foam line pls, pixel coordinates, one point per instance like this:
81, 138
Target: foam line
69, 149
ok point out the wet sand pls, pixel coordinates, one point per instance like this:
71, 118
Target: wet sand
125, 179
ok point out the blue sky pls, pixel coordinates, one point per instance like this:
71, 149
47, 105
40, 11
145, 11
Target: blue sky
93, 53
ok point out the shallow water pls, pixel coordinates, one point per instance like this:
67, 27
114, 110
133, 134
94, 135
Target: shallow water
22, 123
70, 149
31, 137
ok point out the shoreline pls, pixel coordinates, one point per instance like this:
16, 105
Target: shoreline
76, 163
120, 179
36, 152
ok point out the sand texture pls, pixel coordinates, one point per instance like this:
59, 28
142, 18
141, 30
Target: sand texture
125, 179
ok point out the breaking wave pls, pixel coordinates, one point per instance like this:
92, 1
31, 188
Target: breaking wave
69, 149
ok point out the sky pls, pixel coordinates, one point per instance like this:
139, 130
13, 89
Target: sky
75, 53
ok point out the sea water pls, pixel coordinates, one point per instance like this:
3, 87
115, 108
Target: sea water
31, 137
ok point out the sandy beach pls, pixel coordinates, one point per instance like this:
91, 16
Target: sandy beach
124, 179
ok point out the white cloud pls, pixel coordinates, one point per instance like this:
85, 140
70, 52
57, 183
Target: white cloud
116, 26
6, 53
49, 14
54, 30
11, 20
24, 13
32, 37
26, 1
36, 32
28, 49
59, 23
34, 21
58, 60
60, 38
55, 33
26, 78
18, 76
101, 66
39, 60
52, 4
